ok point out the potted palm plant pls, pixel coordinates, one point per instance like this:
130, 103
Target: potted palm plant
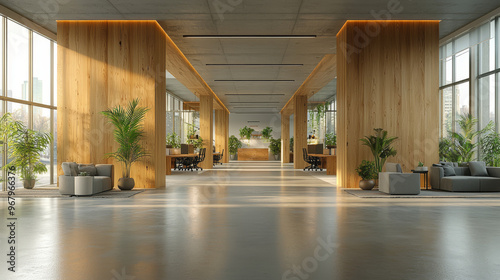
380, 146
128, 133
25, 148
234, 145
366, 170
275, 147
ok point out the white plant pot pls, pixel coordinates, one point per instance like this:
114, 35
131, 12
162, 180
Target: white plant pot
421, 168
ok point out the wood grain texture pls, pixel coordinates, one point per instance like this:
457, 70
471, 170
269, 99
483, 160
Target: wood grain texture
222, 133
102, 64
387, 79
207, 128
257, 154
299, 130
285, 138
323, 73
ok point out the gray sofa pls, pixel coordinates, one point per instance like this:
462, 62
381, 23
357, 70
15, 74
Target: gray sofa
463, 179
103, 178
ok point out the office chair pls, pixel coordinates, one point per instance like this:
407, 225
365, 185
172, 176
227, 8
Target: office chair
217, 158
198, 159
314, 162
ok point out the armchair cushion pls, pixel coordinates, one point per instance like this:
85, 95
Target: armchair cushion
89, 168
393, 167
478, 168
448, 171
66, 168
74, 168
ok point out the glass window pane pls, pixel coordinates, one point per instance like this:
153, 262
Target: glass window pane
1, 56
448, 68
486, 95
17, 61
19, 111
447, 111
462, 65
461, 102
486, 52
41, 69
41, 122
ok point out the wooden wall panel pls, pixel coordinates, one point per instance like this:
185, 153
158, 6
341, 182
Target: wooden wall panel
207, 128
103, 64
285, 138
390, 81
299, 130
222, 133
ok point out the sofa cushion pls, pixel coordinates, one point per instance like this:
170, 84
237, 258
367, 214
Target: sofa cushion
74, 168
451, 164
460, 184
448, 171
393, 167
66, 168
89, 168
478, 168
489, 184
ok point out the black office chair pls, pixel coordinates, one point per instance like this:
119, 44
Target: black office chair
217, 158
198, 159
314, 162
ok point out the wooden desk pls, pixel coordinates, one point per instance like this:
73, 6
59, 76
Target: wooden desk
253, 154
168, 169
331, 163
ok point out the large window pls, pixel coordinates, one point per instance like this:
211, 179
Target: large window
30, 87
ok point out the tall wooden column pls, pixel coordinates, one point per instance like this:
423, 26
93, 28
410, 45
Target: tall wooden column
387, 78
103, 64
222, 133
299, 130
207, 128
285, 138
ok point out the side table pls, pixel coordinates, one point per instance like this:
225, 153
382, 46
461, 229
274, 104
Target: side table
83, 185
426, 176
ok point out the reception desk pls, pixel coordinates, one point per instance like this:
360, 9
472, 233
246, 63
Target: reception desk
253, 154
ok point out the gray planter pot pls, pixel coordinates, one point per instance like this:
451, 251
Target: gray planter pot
277, 157
421, 168
367, 184
232, 157
29, 184
126, 184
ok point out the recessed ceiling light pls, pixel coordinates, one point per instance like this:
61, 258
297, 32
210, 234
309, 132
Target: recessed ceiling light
255, 94
250, 36
254, 107
252, 64
254, 80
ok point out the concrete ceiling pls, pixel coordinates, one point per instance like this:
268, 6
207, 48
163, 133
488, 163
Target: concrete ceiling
322, 18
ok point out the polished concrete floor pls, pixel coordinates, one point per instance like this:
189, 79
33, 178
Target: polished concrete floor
254, 221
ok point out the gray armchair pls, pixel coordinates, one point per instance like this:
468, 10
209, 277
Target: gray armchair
102, 177
394, 181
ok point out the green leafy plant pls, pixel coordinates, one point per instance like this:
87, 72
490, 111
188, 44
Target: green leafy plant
191, 132
490, 148
464, 142
25, 149
275, 146
291, 144
246, 132
128, 133
447, 151
330, 139
367, 170
380, 146
234, 145
197, 143
420, 164
173, 140
83, 174
266, 133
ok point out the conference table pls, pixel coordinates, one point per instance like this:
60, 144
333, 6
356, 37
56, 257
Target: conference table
331, 163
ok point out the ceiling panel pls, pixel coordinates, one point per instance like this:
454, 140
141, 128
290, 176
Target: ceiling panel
323, 18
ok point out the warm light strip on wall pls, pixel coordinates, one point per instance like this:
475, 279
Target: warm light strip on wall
256, 102
254, 80
252, 64
250, 36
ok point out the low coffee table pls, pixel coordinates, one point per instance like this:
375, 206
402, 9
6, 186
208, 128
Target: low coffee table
426, 176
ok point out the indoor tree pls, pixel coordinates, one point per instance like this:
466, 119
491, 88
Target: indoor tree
380, 146
234, 145
465, 142
275, 147
490, 148
129, 131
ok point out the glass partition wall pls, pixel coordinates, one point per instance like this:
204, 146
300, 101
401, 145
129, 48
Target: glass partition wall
28, 88
180, 119
469, 77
